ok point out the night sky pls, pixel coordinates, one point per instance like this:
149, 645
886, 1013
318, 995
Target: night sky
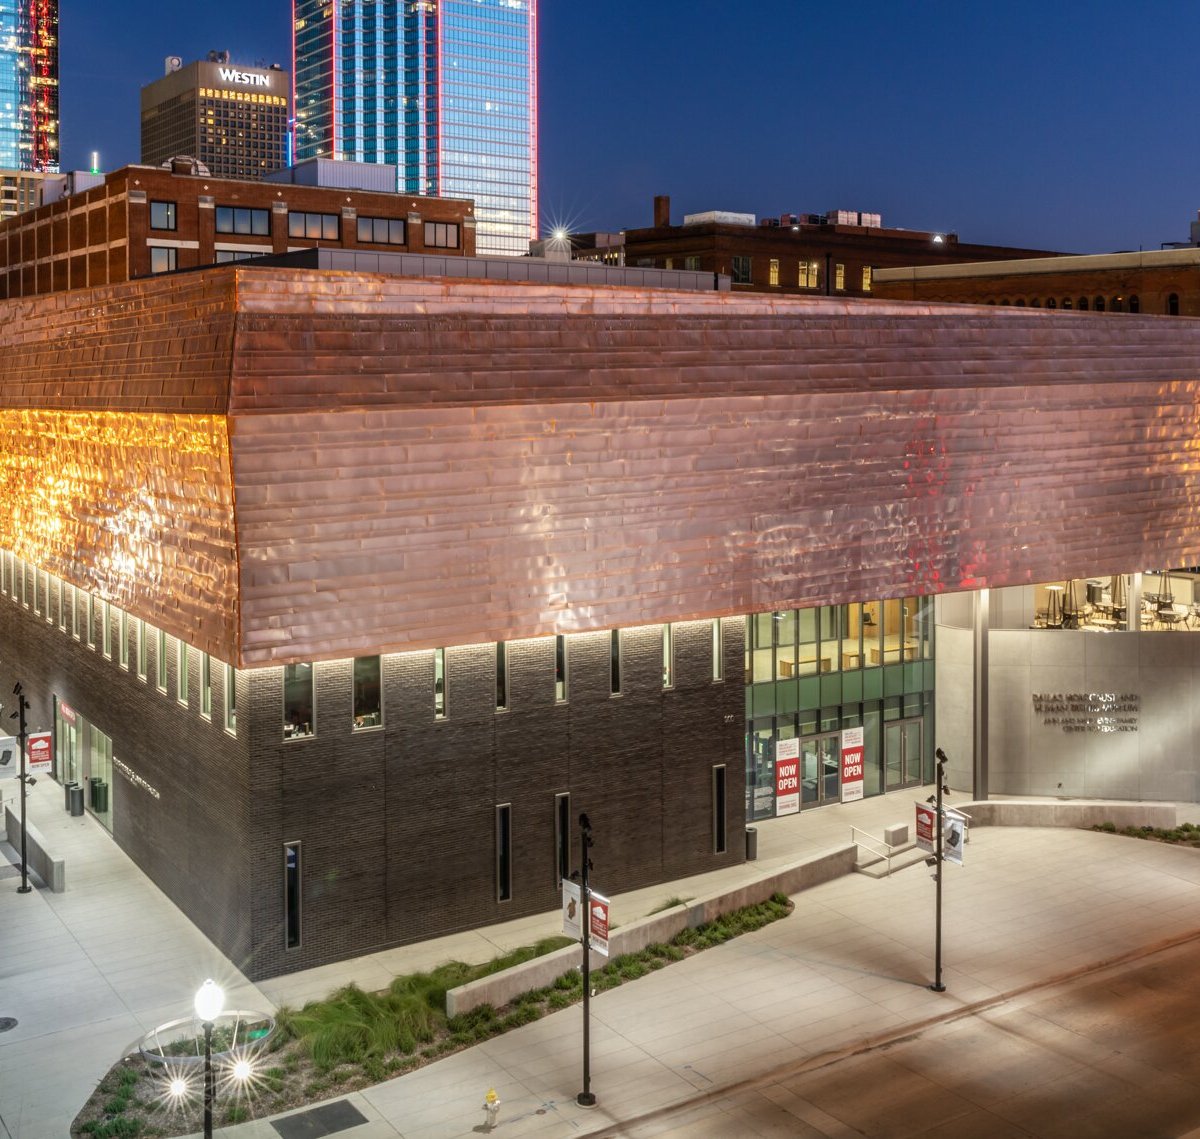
1051, 125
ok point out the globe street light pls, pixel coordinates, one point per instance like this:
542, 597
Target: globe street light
210, 1000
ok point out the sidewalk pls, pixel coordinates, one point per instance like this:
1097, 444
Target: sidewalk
88, 971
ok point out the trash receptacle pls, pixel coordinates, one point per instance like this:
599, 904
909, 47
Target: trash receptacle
76, 799
67, 794
751, 843
100, 798
93, 783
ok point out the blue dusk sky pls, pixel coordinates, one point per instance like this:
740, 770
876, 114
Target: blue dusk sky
1050, 125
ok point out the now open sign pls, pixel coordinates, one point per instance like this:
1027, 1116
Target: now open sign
787, 777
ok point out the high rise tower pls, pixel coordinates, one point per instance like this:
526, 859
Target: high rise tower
444, 90
29, 85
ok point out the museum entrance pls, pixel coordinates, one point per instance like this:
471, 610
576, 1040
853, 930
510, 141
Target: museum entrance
902, 753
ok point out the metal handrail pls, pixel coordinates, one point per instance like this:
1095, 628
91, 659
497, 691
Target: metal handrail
887, 851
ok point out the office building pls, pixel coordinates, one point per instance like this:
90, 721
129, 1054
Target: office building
22, 190
832, 254
233, 119
343, 593
29, 86
445, 94
143, 220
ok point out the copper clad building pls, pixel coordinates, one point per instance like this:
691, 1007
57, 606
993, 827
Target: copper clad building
344, 593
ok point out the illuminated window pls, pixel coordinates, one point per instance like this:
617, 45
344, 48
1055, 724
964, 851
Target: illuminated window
90, 631
298, 701
162, 215
839, 277
866, 278
382, 231
692, 264
141, 649
368, 692
501, 676
718, 653
741, 270
439, 684
773, 271
160, 663
205, 685
181, 674
163, 260
123, 639
105, 630
441, 235
231, 699
668, 657
808, 274
560, 668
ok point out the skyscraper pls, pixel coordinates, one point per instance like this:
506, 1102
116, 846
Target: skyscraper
444, 90
29, 85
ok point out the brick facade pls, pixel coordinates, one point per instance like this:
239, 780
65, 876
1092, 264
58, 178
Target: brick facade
397, 824
104, 235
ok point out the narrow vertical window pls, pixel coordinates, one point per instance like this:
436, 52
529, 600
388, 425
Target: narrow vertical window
4, 574
298, 703
562, 836
90, 631
181, 674
291, 894
439, 684
61, 602
718, 651
614, 662
501, 676
141, 649
123, 639
106, 630
866, 278
560, 668
49, 612
231, 699
718, 808
668, 657
368, 692
773, 271
37, 593
160, 663
504, 853
74, 612
839, 276
205, 686
24, 582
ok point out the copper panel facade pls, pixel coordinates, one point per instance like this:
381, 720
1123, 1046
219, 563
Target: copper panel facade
418, 463
133, 508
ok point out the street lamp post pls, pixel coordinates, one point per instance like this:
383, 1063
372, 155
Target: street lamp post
26, 779
586, 1098
937, 985
210, 1000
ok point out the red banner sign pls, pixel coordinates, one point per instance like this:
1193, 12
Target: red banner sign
40, 752
926, 816
852, 764
787, 777
598, 925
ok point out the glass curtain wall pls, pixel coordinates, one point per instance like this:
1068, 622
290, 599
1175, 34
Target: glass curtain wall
812, 673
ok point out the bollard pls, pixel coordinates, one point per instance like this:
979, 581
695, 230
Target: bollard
491, 1109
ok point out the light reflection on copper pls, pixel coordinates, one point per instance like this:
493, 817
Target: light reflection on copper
134, 508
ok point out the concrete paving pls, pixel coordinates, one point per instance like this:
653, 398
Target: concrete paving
88, 971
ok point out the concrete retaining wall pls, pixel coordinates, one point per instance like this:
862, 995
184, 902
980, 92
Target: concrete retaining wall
501, 988
1023, 813
52, 871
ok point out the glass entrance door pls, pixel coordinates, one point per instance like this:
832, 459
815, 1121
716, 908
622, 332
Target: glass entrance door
820, 770
902, 753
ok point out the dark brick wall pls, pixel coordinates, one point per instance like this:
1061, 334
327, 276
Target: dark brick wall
398, 824
191, 841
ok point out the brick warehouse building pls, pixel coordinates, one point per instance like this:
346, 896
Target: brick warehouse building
432, 599
1159, 281
831, 254
146, 219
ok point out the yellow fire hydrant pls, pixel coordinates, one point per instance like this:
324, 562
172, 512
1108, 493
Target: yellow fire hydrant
491, 1109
